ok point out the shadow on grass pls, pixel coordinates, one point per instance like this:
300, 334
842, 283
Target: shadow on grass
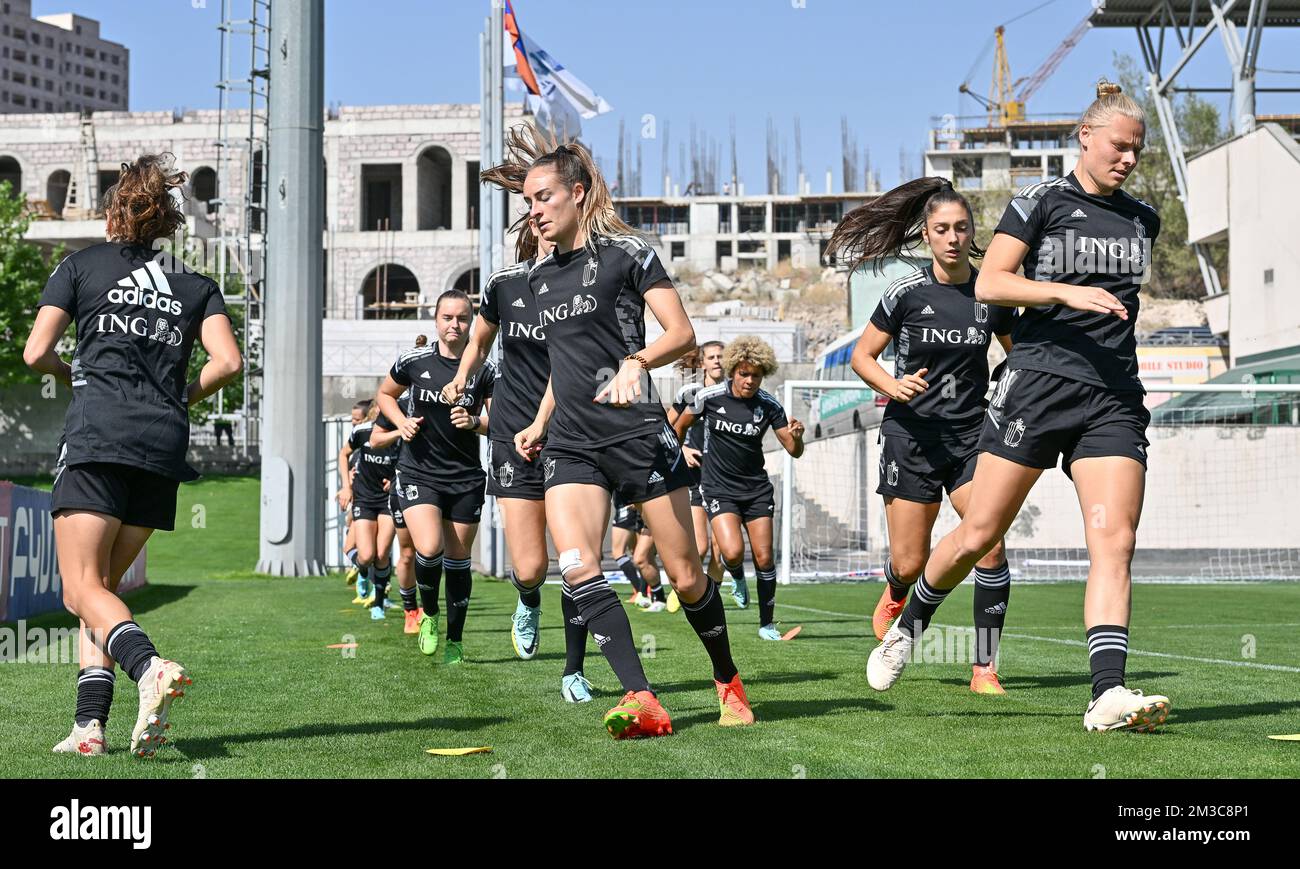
789, 710
1230, 712
1017, 682
750, 681
151, 597
218, 746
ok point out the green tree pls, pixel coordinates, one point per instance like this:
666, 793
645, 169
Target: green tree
23, 272
233, 400
1175, 271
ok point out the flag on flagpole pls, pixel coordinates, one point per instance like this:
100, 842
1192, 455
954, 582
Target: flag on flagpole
522, 68
559, 99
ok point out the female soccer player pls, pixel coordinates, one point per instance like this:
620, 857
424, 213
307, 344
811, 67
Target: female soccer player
439, 480
347, 465
405, 567
707, 360
123, 453
734, 482
509, 308
1070, 390
367, 494
930, 433
609, 432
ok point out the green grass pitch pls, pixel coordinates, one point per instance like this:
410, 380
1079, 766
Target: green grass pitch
270, 700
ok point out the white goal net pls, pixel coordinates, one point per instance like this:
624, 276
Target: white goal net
1223, 473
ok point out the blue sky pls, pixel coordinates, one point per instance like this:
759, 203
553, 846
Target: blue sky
889, 66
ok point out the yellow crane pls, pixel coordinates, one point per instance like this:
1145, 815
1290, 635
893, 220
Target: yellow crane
1006, 100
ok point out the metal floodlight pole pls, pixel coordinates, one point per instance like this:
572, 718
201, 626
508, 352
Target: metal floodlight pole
492, 216
293, 440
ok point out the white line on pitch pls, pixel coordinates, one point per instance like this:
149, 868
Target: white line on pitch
1249, 664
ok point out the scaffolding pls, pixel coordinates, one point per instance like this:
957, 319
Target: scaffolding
242, 147
1240, 24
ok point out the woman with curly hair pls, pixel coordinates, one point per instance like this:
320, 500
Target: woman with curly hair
736, 489
122, 457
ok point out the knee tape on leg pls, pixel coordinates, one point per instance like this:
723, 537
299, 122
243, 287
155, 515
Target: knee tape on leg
570, 560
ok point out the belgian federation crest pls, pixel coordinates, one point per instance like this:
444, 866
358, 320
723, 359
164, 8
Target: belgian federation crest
981, 312
892, 476
1015, 431
758, 415
506, 475
589, 272
548, 470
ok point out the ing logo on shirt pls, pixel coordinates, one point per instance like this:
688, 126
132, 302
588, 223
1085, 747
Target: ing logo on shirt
580, 304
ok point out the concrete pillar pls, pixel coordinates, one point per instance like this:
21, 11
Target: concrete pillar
293, 438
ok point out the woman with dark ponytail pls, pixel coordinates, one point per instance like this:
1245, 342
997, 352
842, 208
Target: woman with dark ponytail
122, 458
1070, 392
931, 428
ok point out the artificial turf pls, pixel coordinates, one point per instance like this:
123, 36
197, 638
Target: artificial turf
271, 700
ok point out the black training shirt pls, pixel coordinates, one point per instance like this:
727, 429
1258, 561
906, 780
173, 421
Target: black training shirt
440, 453
591, 306
138, 313
374, 464
508, 303
733, 439
1088, 241
940, 327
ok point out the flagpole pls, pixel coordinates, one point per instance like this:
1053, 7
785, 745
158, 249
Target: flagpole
492, 216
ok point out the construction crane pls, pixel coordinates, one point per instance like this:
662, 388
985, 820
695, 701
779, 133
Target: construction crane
1006, 101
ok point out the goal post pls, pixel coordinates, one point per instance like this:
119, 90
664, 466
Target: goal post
1224, 468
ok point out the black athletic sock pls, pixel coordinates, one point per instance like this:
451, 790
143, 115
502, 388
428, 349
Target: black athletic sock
992, 592
710, 623
529, 597
633, 575
351, 555
766, 595
736, 570
897, 588
920, 608
130, 647
607, 620
1107, 655
94, 695
658, 593
460, 583
379, 577
428, 579
575, 633
410, 598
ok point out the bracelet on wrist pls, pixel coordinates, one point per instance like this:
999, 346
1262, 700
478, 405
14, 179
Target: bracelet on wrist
639, 359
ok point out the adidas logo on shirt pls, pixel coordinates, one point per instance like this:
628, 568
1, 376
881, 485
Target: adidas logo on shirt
517, 303
928, 310
425, 375
1078, 212
544, 289
146, 286
722, 410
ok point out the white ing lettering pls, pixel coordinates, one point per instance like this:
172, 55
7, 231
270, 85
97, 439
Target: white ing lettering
1081, 254
578, 305
525, 330
119, 323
